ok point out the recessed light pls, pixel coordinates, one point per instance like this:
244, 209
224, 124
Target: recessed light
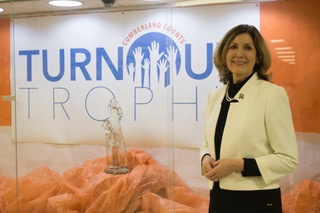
277, 40
65, 3
1, 10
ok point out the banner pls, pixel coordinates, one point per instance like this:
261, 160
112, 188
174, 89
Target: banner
156, 63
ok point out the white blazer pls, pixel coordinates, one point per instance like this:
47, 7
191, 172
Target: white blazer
259, 126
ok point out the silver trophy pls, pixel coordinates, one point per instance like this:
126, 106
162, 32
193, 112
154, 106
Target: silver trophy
116, 148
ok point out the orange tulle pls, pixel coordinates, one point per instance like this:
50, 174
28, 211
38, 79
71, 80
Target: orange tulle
149, 187
304, 198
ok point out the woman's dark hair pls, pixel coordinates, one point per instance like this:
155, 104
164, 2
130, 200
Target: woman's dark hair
263, 54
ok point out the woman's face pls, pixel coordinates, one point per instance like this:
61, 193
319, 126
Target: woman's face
241, 57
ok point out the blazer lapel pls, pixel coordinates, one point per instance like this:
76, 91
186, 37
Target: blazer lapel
215, 114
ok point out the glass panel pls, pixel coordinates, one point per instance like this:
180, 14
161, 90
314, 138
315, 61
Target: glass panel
63, 84
64, 67
8, 147
291, 28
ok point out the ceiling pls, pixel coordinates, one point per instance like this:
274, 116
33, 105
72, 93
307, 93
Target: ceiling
22, 8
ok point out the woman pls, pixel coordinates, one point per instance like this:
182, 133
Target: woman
249, 139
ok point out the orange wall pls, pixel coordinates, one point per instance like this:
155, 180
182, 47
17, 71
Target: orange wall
297, 22
5, 106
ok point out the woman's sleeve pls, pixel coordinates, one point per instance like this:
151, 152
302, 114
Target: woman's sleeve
204, 149
282, 138
250, 168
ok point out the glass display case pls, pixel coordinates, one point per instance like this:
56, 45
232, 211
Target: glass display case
60, 67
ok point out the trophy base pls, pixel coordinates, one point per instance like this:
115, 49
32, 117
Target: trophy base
118, 171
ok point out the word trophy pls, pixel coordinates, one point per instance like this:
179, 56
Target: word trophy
116, 149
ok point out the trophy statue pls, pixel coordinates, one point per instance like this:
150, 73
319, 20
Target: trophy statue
116, 149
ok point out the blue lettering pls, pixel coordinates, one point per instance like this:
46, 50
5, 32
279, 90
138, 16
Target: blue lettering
185, 103
141, 103
29, 99
29, 54
45, 66
80, 58
117, 73
87, 97
81, 64
60, 102
209, 63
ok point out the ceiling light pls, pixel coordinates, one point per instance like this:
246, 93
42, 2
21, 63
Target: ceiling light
202, 2
286, 56
286, 52
1, 10
65, 3
288, 60
283, 48
277, 40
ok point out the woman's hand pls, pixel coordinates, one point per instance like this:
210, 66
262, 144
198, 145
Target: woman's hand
221, 168
207, 166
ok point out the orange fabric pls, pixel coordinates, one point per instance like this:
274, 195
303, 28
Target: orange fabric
5, 106
149, 187
297, 23
304, 198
